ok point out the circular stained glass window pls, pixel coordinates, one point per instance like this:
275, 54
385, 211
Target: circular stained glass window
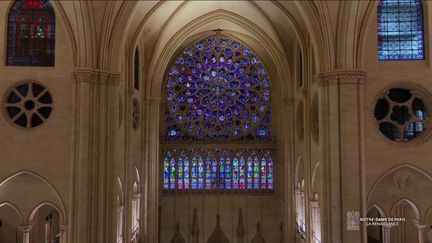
28, 104
217, 89
401, 114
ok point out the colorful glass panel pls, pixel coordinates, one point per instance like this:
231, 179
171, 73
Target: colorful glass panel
217, 89
31, 34
400, 30
212, 169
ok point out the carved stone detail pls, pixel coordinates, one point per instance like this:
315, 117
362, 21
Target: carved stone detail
218, 236
340, 77
258, 238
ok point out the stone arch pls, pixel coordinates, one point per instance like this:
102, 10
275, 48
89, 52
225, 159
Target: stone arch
378, 208
369, 8
413, 206
396, 168
47, 203
316, 178
261, 43
299, 171
14, 208
17, 189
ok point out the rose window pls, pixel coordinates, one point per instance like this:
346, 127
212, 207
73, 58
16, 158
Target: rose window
401, 114
217, 89
28, 104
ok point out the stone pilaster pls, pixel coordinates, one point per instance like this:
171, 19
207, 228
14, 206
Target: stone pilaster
152, 163
342, 147
91, 212
25, 229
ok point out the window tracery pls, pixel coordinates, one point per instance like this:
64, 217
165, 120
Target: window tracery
217, 91
31, 34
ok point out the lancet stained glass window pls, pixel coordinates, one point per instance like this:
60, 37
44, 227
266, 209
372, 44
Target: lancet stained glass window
31, 34
211, 169
217, 89
400, 30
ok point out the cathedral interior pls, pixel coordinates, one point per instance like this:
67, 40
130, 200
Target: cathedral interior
215, 121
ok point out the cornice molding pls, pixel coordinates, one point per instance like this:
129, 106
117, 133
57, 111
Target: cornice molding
340, 77
96, 76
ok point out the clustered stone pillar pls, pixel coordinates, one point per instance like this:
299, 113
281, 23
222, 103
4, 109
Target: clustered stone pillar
92, 209
342, 148
152, 161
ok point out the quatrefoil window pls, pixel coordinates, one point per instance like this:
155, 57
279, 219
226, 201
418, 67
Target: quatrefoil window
28, 104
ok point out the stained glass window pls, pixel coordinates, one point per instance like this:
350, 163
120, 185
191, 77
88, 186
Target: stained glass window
215, 170
31, 34
400, 30
217, 89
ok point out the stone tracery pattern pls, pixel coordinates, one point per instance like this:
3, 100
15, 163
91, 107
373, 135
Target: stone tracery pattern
401, 114
217, 89
135, 114
28, 104
217, 169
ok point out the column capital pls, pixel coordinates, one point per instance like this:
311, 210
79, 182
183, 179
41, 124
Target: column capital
96, 76
340, 77
25, 227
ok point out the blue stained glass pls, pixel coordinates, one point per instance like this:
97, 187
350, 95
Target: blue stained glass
212, 169
228, 173
194, 175
218, 81
235, 176
249, 173
31, 34
400, 30
242, 175
166, 173
200, 173
180, 173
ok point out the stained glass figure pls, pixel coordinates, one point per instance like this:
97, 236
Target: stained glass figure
249, 173
212, 169
186, 173
256, 176
217, 89
228, 173
194, 168
400, 30
31, 34
200, 173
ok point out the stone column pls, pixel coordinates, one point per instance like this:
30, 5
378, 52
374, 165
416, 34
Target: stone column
342, 150
152, 161
63, 234
386, 234
26, 229
421, 232
92, 212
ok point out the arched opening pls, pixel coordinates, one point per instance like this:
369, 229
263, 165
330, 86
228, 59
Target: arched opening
135, 212
119, 212
300, 199
316, 219
407, 230
45, 224
31, 34
375, 234
9, 224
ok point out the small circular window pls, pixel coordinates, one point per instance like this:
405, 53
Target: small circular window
402, 114
28, 104
135, 114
